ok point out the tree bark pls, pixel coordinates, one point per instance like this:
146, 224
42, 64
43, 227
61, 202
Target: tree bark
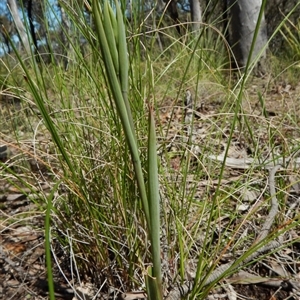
7, 30
160, 5
244, 15
196, 15
19, 25
67, 49
32, 28
173, 12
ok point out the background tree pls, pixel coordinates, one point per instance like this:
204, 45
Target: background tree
172, 11
7, 30
196, 14
19, 24
214, 12
65, 32
244, 15
276, 11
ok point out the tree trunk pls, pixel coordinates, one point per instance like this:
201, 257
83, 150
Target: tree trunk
32, 28
196, 15
7, 30
173, 12
19, 25
244, 15
160, 5
67, 49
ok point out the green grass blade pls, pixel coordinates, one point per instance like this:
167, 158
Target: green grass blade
121, 108
123, 59
110, 29
39, 98
154, 203
48, 244
151, 285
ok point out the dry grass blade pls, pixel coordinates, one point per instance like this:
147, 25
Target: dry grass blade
226, 269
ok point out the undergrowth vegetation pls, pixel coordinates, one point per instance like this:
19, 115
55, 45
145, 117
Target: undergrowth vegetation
66, 131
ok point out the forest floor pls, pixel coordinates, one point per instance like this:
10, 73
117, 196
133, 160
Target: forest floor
23, 274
